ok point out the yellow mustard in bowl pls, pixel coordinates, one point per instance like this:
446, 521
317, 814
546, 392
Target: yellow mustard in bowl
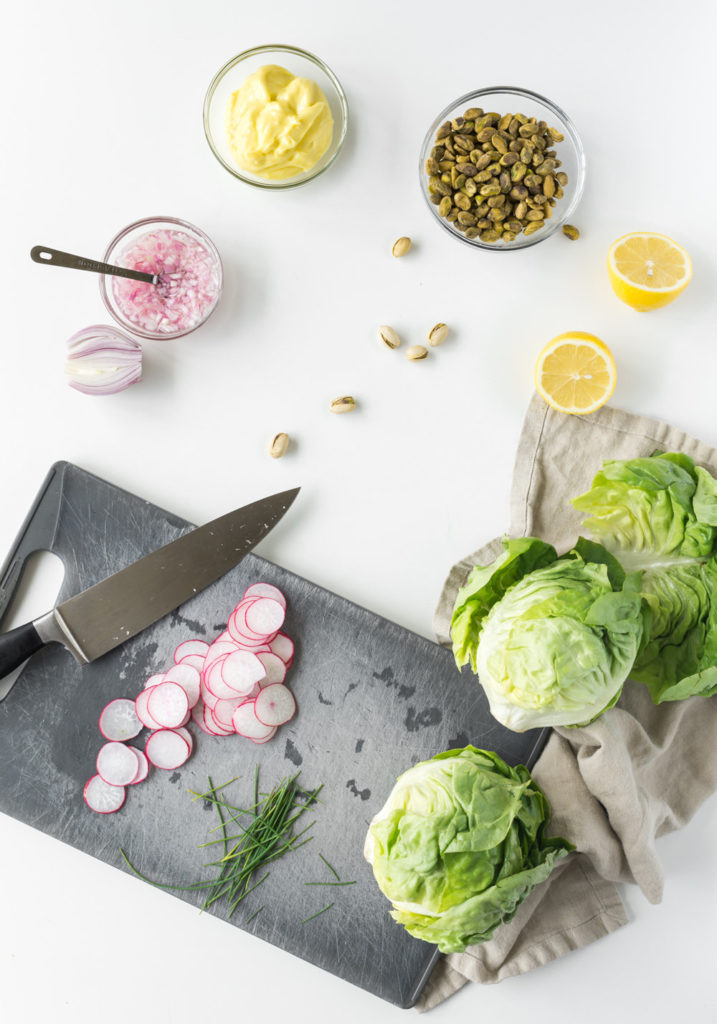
278, 126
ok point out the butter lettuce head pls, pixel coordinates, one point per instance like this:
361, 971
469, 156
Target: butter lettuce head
551, 639
459, 844
659, 514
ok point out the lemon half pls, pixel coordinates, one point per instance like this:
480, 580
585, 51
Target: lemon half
648, 270
575, 373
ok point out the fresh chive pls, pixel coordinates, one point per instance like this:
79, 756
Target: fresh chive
318, 912
255, 914
329, 883
333, 871
248, 846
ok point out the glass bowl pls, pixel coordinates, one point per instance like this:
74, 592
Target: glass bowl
502, 99
135, 306
233, 75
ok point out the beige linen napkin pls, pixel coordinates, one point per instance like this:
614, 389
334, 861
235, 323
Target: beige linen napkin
618, 784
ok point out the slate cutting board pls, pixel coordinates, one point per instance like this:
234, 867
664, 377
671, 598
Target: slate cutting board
373, 699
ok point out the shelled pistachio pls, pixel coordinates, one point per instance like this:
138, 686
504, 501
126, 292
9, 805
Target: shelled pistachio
495, 176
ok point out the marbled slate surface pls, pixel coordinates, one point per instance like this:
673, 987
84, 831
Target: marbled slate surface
372, 699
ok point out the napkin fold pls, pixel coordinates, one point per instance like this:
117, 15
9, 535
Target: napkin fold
616, 785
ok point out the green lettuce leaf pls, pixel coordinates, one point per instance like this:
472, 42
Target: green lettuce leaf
551, 639
659, 514
459, 844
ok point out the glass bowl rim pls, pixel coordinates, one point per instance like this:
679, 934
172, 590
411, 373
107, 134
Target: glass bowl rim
139, 332
575, 139
276, 48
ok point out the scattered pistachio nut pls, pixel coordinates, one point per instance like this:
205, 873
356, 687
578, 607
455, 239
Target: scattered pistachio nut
278, 446
571, 231
401, 246
388, 336
344, 404
437, 335
416, 352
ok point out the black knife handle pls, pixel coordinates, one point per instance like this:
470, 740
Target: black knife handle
16, 645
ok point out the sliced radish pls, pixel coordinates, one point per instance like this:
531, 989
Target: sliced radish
213, 726
198, 713
195, 660
101, 797
266, 739
242, 670
240, 632
219, 649
168, 704
167, 749
188, 648
266, 590
119, 720
154, 680
117, 764
223, 711
264, 617
141, 707
247, 724
143, 770
188, 678
274, 668
283, 645
214, 681
275, 705
187, 736
207, 696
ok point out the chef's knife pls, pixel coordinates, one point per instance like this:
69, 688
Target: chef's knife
105, 615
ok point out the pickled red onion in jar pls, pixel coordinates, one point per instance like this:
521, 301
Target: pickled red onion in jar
188, 287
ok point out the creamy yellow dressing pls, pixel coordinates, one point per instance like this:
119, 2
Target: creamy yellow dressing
278, 125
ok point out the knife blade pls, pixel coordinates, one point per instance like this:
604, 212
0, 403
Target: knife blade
94, 621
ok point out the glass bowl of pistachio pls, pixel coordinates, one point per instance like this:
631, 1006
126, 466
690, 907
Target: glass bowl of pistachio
502, 168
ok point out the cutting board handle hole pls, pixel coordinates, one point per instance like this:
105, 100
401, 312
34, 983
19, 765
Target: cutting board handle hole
36, 590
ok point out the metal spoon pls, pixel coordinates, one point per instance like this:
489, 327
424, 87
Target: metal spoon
56, 258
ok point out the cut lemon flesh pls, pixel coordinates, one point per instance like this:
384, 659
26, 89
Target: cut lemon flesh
648, 270
575, 373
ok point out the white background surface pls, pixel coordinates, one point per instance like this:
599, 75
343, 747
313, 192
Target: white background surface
102, 126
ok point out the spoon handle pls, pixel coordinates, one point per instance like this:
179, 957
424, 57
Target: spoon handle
56, 258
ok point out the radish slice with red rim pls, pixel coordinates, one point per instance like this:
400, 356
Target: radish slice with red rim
167, 749
198, 713
219, 649
207, 696
142, 710
143, 770
242, 670
240, 632
265, 590
275, 705
247, 724
188, 678
214, 681
274, 668
223, 711
168, 704
195, 660
117, 764
154, 680
101, 797
187, 736
213, 726
264, 617
283, 646
188, 648
119, 720
266, 739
